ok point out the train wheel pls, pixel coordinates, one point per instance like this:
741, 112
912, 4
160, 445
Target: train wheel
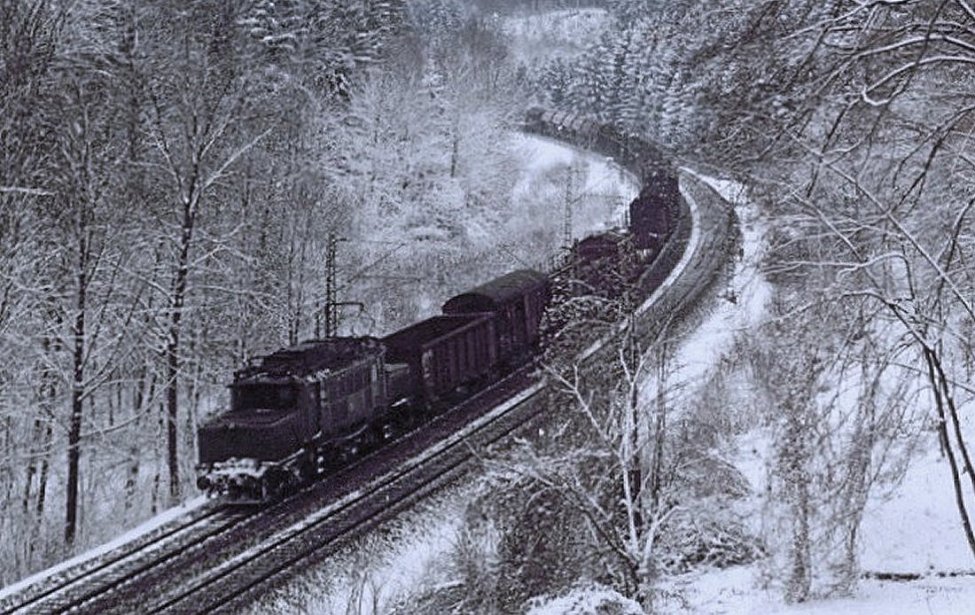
373, 438
308, 467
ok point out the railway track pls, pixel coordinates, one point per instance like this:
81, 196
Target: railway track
83, 582
223, 553
221, 558
241, 579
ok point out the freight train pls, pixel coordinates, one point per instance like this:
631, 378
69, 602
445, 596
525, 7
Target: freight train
299, 413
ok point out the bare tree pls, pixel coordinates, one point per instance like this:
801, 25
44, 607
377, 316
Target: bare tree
198, 132
84, 174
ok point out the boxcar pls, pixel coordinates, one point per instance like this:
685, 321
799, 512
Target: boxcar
652, 213
517, 300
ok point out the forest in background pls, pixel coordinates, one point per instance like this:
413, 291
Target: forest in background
152, 158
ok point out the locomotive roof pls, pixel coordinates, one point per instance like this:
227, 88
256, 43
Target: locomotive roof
499, 291
311, 356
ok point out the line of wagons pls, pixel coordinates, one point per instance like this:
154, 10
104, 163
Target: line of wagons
300, 412
651, 216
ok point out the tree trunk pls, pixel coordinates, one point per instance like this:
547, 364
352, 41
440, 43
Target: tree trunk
32, 453
145, 385
49, 393
800, 580
949, 452
794, 456
45, 469
77, 398
172, 351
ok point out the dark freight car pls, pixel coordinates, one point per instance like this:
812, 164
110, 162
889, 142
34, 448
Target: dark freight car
518, 301
605, 264
443, 354
652, 213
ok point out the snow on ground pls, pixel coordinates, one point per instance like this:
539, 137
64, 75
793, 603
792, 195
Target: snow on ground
585, 601
704, 347
368, 575
915, 529
132, 535
733, 592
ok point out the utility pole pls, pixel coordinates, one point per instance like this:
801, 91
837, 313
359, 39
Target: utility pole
330, 307
567, 211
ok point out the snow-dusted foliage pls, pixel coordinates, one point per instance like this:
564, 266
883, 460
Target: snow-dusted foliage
843, 425
586, 601
684, 72
871, 193
849, 122
618, 489
156, 220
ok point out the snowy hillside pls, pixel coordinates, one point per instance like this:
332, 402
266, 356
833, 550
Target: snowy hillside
558, 34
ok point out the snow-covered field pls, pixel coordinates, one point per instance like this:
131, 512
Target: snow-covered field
734, 592
714, 337
914, 530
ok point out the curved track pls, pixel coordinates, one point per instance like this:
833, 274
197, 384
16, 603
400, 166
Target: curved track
221, 558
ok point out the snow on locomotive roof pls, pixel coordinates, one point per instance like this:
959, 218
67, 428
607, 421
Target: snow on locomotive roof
497, 292
312, 356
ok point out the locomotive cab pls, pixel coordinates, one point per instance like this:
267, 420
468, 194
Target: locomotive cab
242, 452
292, 414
